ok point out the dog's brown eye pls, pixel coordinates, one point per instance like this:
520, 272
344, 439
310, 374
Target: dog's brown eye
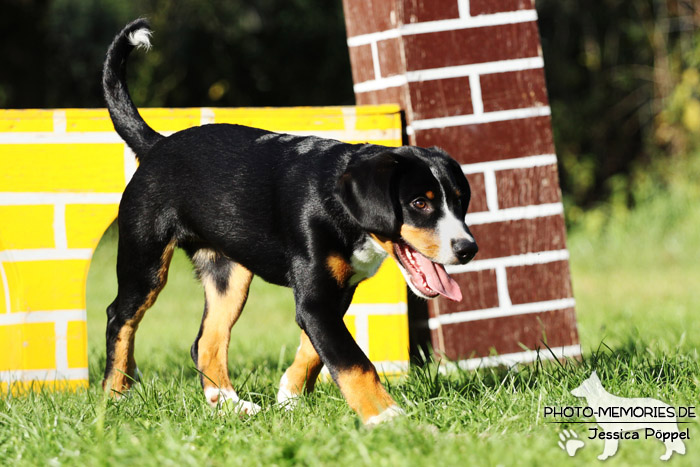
419, 203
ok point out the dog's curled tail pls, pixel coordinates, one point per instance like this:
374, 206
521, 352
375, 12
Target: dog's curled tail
125, 117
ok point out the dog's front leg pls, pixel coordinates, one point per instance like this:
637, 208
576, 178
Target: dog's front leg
301, 375
320, 314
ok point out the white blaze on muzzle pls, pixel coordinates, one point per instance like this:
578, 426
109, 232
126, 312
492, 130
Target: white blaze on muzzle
450, 229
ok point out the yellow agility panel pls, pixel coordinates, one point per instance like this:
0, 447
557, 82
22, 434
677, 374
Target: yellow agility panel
293, 119
85, 223
88, 120
95, 168
387, 286
171, 120
26, 120
388, 337
31, 346
20, 388
27, 227
4, 293
381, 117
161, 120
350, 324
62, 173
50, 285
76, 344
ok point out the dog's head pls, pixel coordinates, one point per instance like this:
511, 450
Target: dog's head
413, 202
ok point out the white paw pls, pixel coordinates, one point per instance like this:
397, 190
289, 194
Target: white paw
285, 397
392, 412
240, 407
228, 401
570, 442
287, 400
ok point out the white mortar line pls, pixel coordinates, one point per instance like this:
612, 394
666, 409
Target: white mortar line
349, 119
480, 21
500, 312
61, 335
511, 359
485, 68
515, 214
37, 137
45, 254
6, 288
379, 84
502, 287
491, 189
206, 116
47, 316
59, 121
426, 27
507, 164
59, 226
526, 259
487, 117
463, 7
475, 87
366, 39
375, 60
374, 309
13, 376
457, 71
24, 198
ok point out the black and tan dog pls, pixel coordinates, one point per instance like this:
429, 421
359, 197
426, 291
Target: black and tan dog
312, 214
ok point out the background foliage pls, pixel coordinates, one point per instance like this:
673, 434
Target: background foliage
623, 75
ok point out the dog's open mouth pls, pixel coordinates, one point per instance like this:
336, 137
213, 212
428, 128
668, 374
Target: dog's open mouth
429, 277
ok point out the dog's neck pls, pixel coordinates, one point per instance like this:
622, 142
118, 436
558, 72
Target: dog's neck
366, 259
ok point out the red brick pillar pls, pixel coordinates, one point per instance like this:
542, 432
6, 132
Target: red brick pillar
469, 75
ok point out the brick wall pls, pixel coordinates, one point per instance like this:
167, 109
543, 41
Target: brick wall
469, 76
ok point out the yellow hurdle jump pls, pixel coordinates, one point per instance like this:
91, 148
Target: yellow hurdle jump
62, 173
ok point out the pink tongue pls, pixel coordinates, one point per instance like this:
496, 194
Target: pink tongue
437, 278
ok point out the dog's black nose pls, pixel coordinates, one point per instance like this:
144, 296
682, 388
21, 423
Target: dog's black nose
464, 250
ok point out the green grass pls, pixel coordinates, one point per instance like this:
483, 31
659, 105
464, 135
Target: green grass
637, 294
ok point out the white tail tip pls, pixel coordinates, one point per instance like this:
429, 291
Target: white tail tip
141, 38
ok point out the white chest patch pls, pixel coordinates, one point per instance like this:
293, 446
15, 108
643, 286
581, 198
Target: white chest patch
366, 260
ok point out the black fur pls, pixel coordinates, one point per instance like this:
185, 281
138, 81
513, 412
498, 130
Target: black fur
277, 204
132, 127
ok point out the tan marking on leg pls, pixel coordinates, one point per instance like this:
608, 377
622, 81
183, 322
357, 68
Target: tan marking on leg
339, 268
426, 241
303, 372
124, 364
223, 310
364, 393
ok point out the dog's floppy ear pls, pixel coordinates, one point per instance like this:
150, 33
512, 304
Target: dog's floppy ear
367, 191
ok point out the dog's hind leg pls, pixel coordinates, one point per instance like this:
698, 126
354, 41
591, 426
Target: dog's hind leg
300, 375
142, 271
225, 289
609, 449
676, 445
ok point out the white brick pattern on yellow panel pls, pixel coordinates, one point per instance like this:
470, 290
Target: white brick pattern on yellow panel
62, 173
